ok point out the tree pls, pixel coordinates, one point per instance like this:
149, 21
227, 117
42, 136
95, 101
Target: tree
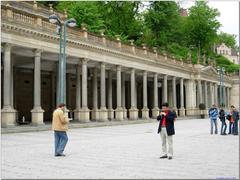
202, 26
87, 12
122, 18
228, 39
162, 18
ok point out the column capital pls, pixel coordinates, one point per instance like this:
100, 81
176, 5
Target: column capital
119, 67
7, 46
145, 73
102, 64
84, 61
37, 52
132, 70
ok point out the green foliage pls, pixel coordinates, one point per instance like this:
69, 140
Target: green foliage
87, 12
161, 20
202, 25
159, 25
227, 39
228, 65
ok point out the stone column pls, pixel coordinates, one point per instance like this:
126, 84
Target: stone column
78, 93
200, 92
216, 94
174, 94
103, 114
145, 110
228, 97
133, 111
190, 97
206, 96
95, 111
211, 88
165, 96
119, 110
37, 111
182, 109
53, 87
155, 110
110, 109
224, 96
123, 97
8, 113
84, 113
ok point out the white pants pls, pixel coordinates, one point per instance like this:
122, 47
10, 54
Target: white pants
166, 139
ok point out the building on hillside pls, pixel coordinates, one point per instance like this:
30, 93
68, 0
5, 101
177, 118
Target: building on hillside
183, 12
228, 52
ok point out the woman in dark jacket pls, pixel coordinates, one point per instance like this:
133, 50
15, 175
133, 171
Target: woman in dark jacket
222, 119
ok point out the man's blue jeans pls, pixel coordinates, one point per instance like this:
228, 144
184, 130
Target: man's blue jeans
61, 140
214, 122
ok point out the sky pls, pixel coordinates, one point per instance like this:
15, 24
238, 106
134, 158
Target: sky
229, 10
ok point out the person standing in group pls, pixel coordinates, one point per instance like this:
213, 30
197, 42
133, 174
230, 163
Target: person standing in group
213, 114
222, 119
60, 127
230, 124
235, 115
166, 129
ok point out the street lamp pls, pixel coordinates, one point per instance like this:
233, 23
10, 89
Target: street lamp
221, 71
61, 31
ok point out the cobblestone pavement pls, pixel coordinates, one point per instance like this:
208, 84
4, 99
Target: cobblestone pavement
127, 151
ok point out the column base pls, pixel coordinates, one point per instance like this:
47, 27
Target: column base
191, 112
145, 113
155, 112
182, 112
110, 114
133, 113
8, 117
83, 115
103, 115
119, 114
95, 114
37, 116
124, 113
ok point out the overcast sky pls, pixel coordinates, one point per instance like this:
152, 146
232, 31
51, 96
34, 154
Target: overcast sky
229, 10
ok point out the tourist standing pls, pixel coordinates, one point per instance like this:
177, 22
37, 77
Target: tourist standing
230, 124
223, 121
166, 129
235, 115
60, 127
213, 114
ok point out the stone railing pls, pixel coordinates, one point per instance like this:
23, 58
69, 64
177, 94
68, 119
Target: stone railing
27, 15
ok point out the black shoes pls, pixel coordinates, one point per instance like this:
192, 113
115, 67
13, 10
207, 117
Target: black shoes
165, 156
162, 157
60, 155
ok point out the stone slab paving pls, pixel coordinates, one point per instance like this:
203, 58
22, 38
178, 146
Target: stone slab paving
127, 151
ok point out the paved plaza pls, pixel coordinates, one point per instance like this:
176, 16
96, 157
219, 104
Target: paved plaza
126, 151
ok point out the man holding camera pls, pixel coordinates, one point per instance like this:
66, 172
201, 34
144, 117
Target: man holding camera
166, 120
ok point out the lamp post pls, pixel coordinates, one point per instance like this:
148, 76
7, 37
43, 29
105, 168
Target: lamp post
62, 32
221, 71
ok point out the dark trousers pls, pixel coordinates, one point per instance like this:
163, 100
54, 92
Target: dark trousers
235, 127
61, 140
223, 127
230, 128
